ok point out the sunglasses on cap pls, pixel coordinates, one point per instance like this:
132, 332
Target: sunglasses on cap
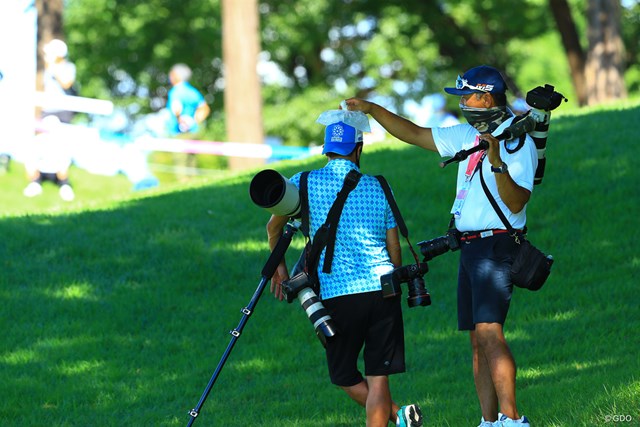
463, 83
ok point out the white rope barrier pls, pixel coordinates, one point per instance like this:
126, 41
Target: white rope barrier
79, 104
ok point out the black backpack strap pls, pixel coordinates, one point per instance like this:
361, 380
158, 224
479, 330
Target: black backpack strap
326, 234
396, 213
304, 203
514, 233
333, 217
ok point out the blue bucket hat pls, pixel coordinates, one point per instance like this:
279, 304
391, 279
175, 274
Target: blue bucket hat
340, 138
478, 80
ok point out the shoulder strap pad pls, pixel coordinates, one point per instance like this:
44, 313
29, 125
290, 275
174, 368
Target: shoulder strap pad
304, 203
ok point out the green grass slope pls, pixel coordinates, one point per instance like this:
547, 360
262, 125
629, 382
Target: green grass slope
117, 313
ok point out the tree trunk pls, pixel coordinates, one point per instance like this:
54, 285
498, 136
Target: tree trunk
604, 70
49, 28
571, 42
242, 94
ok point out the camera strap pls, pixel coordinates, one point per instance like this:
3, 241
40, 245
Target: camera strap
512, 232
333, 217
304, 204
519, 146
326, 234
402, 226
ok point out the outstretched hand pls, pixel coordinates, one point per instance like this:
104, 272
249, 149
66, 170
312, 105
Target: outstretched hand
356, 104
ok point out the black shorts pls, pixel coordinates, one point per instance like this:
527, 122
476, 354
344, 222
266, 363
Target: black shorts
484, 280
367, 320
49, 176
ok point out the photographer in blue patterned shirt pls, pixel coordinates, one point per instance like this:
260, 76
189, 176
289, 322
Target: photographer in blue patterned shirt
366, 246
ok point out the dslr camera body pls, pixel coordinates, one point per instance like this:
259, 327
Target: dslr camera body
412, 275
536, 122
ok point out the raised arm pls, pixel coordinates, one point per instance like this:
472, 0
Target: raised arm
397, 126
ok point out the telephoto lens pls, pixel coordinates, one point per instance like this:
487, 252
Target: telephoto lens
434, 247
275, 193
317, 314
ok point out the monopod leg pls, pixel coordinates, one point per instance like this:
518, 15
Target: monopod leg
267, 272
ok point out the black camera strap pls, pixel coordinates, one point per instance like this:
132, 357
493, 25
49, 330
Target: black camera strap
333, 217
304, 204
326, 234
512, 232
402, 226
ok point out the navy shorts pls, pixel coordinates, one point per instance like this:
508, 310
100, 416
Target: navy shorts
365, 320
49, 176
484, 280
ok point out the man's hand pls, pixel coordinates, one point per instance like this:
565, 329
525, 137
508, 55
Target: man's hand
356, 104
494, 149
279, 276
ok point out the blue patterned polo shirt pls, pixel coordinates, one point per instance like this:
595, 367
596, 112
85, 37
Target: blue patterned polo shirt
360, 256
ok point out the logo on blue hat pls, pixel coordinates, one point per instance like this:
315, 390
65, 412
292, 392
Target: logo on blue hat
340, 138
337, 133
478, 80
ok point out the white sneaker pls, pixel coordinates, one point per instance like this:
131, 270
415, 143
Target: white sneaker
32, 190
66, 193
409, 416
504, 421
484, 423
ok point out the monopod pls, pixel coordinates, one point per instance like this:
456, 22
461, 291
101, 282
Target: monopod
267, 272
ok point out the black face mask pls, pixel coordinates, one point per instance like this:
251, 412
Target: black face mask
485, 120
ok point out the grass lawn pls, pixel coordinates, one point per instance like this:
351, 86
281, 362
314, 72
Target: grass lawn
116, 307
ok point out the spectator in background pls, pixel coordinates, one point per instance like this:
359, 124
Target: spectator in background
49, 160
188, 110
59, 77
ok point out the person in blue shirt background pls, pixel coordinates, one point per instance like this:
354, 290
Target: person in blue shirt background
188, 110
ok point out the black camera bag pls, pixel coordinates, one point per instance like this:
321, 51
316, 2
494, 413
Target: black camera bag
531, 267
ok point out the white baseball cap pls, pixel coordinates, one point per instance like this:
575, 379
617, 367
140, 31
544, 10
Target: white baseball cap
56, 48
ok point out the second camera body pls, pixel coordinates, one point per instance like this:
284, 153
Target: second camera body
412, 275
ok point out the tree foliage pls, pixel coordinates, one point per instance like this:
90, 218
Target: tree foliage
126, 47
398, 49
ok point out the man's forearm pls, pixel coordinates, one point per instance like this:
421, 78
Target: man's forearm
403, 129
274, 229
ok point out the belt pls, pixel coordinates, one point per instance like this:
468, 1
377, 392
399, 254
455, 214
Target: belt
471, 235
